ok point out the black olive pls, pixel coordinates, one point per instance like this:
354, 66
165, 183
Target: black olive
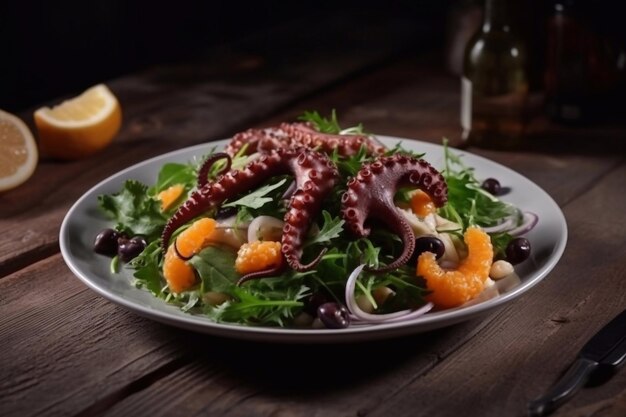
313, 301
427, 244
225, 212
106, 242
492, 186
518, 250
129, 249
334, 315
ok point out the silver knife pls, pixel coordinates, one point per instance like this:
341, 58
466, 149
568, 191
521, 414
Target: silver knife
599, 358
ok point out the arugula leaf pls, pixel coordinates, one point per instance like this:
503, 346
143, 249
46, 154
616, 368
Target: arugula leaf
216, 267
148, 268
135, 212
398, 148
500, 242
172, 174
361, 251
255, 308
349, 166
320, 123
468, 204
256, 199
331, 229
194, 298
407, 293
324, 125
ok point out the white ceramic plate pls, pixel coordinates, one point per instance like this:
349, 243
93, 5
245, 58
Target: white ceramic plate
84, 221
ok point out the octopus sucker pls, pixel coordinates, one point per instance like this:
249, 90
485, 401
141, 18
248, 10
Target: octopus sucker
371, 192
301, 134
303, 206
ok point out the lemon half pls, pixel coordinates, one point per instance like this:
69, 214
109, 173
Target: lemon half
18, 152
81, 126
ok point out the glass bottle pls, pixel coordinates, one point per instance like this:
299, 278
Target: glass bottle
494, 84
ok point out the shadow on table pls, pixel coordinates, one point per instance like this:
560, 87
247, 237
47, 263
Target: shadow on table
316, 370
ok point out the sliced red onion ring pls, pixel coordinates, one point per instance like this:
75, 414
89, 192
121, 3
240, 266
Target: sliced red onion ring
507, 224
361, 316
529, 221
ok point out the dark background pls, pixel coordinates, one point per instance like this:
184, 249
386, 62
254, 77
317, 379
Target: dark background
59, 47
56, 49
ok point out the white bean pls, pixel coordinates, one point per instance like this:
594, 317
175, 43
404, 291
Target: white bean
500, 269
364, 304
381, 294
303, 320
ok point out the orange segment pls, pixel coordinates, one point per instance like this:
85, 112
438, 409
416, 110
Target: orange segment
18, 152
258, 256
177, 273
170, 195
196, 237
421, 204
81, 126
451, 288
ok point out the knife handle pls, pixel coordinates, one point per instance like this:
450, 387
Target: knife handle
574, 379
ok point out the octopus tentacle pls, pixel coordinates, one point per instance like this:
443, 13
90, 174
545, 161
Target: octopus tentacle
250, 139
315, 176
370, 195
302, 134
203, 172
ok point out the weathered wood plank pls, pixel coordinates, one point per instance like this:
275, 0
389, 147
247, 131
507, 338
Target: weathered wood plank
62, 347
303, 380
173, 106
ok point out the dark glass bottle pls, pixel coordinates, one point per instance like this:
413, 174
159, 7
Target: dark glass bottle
582, 62
566, 74
494, 85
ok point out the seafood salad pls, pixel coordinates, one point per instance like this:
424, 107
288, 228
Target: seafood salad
311, 225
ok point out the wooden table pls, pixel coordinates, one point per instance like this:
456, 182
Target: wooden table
65, 351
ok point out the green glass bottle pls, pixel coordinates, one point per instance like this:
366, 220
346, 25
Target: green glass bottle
494, 84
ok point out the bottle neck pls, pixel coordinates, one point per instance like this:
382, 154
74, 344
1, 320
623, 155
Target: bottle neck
496, 16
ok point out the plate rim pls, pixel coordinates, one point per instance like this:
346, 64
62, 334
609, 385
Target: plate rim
205, 325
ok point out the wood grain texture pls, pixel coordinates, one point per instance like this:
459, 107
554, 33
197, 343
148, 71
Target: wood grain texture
63, 347
299, 380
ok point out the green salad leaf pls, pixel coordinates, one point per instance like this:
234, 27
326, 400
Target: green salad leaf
173, 174
265, 302
134, 210
256, 199
147, 268
216, 267
331, 229
329, 125
468, 204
